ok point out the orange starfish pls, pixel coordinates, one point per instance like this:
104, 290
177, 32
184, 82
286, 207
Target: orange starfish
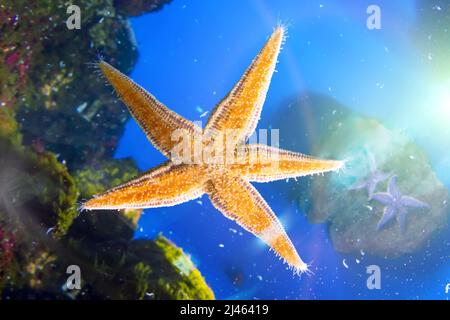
227, 183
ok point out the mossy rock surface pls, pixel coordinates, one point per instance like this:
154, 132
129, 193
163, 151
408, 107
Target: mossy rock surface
59, 128
137, 269
37, 189
49, 79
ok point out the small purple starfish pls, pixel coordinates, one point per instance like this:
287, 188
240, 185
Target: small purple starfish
396, 204
372, 179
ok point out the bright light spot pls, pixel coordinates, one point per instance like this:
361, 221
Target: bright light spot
443, 103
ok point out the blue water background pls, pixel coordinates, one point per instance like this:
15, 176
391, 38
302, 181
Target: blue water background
191, 54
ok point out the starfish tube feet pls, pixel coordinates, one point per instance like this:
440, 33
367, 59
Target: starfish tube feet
238, 200
261, 163
156, 120
240, 110
161, 187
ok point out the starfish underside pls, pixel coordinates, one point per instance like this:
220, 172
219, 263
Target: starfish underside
227, 184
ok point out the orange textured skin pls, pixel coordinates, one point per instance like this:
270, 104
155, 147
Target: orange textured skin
227, 184
275, 164
241, 108
157, 121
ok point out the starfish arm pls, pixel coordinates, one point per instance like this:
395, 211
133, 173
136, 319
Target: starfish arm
261, 163
238, 200
241, 108
388, 214
393, 189
383, 197
158, 122
413, 202
163, 186
401, 219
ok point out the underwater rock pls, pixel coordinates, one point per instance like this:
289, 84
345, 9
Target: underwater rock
137, 7
164, 271
9, 129
137, 269
7, 244
47, 79
39, 237
104, 175
336, 132
37, 206
118, 266
68, 117
33, 181
36, 189
96, 179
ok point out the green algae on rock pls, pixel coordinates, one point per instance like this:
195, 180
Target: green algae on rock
38, 187
351, 216
120, 267
47, 79
46, 82
37, 200
190, 284
9, 129
37, 195
157, 268
96, 179
104, 175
